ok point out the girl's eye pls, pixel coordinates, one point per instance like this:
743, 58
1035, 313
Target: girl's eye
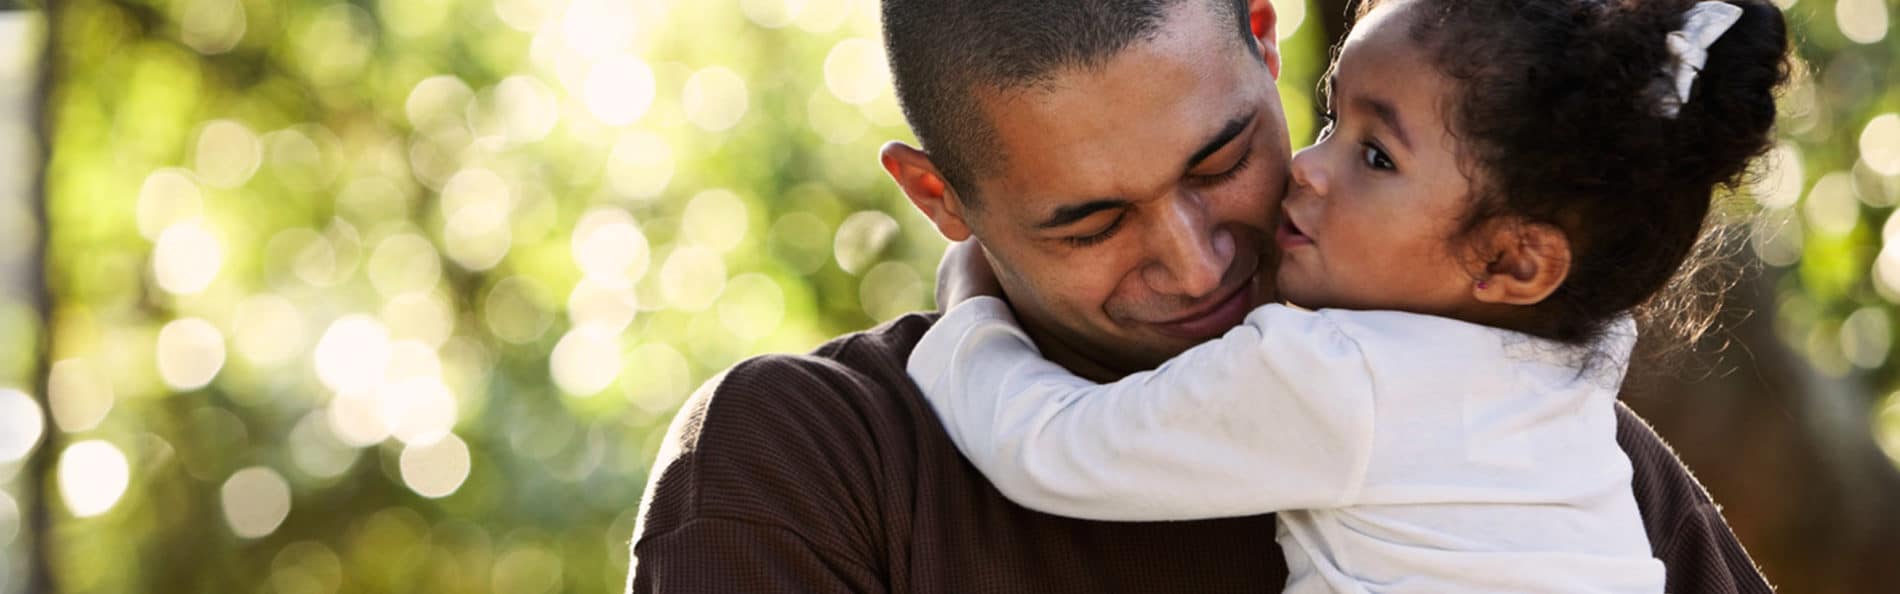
1376, 158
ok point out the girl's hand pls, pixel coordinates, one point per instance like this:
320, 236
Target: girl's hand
964, 274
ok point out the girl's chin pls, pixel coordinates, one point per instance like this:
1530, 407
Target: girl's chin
1293, 292
1294, 285
1303, 288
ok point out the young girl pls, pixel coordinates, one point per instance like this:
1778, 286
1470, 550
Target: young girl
1501, 185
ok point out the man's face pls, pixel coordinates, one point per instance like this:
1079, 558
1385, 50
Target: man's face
1127, 215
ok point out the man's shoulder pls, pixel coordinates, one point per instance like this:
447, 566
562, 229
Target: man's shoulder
1685, 527
779, 437
841, 381
1660, 479
785, 413
857, 370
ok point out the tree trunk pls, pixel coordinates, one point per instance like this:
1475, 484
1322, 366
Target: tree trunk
39, 472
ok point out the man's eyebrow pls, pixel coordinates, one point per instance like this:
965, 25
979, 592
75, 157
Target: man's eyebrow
1387, 114
1065, 215
1227, 133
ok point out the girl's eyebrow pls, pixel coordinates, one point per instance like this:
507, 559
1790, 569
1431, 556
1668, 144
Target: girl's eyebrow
1386, 113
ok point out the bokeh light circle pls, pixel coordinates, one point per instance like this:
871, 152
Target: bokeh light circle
619, 90
417, 410
93, 475
640, 165
516, 310
772, 14
1781, 186
353, 354
256, 501
692, 278
1880, 144
317, 451
228, 154
190, 353
752, 306
585, 361
715, 99
78, 394
404, 263
187, 258
168, 197
22, 423
267, 329
605, 307
609, 247
1831, 208
716, 219
1862, 21
890, 290
437, 469
657, 377
856, 71
861, 238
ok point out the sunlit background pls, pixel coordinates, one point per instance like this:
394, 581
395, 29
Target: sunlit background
399, 296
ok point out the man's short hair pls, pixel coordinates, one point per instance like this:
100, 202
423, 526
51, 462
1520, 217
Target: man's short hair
943, 51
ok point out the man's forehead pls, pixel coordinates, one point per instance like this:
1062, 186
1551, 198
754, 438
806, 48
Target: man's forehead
1124, 128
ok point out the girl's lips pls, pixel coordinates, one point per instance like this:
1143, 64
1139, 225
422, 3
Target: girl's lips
1289, 235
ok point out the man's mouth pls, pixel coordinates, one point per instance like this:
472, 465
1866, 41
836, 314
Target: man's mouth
1212, 318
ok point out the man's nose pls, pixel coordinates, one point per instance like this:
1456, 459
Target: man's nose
1309, 172
1191, 254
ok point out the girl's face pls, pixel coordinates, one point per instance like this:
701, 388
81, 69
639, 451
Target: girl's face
1372, 209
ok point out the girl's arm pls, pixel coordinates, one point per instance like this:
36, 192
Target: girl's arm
1275, 415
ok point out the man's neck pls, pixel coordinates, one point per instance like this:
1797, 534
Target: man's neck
1077, 361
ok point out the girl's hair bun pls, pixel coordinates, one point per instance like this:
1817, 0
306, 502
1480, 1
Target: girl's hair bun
1730, 116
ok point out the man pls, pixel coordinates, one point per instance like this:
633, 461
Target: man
1119, 161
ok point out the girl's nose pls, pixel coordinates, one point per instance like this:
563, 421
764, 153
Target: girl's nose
1308, 171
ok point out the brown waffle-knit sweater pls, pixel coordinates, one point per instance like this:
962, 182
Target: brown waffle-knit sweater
830, 473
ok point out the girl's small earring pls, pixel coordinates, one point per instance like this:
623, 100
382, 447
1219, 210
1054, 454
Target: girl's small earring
1482, 285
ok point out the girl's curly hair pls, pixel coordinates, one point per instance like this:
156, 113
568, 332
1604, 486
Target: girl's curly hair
1556, 108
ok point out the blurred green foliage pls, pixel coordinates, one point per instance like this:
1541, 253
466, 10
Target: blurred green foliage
400, 296
295, 243
1828, 194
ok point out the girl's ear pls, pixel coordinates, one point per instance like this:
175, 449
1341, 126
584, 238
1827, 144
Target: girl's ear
1521, 262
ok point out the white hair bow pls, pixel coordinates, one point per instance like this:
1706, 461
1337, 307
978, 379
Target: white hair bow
1701, 26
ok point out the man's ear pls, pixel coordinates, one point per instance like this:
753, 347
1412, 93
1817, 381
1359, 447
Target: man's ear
918, 177
1262, 21
1522, 262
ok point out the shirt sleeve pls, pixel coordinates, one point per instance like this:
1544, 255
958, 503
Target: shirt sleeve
1275, 415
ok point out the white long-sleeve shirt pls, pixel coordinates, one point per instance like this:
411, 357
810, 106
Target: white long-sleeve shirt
1404, 453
